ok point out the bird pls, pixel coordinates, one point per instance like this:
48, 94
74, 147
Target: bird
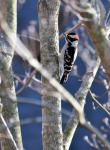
70, 54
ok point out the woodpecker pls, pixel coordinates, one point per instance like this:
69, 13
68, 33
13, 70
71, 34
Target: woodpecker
70, 54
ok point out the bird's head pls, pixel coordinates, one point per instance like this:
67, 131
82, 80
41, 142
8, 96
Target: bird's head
72, 39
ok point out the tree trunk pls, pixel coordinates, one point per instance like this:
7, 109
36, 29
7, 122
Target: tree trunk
7, 89
49, 47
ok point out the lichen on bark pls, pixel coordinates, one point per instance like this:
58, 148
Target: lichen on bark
8, 10
49, 48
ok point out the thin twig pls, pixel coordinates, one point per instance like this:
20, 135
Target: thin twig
30, 37
100, 136
98, 103
38, 86
28, 80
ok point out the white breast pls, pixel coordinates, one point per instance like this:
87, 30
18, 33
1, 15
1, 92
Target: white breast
75, 55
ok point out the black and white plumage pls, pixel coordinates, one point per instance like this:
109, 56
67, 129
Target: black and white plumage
70, 54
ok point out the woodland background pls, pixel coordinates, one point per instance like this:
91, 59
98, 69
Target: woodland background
90, 19
28, 30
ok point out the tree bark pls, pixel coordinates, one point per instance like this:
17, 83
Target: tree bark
49, 47
10, 111
101, 43
97, 33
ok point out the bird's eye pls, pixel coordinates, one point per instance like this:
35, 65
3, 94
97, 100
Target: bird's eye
72, 36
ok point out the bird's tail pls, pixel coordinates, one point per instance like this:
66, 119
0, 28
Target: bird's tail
63, 79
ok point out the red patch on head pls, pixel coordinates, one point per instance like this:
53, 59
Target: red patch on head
76, 37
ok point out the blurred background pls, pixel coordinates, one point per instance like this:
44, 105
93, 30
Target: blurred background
29, 100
